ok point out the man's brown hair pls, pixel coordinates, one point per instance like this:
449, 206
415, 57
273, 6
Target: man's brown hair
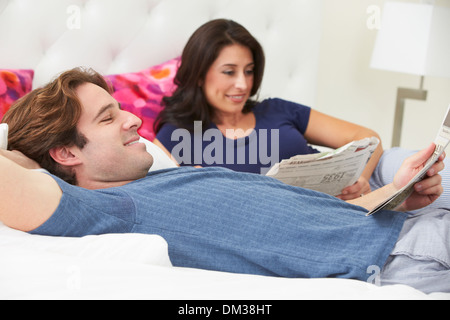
47, 118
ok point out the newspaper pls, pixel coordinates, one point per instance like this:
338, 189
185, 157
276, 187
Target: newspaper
3, 136
442, 141
327, 172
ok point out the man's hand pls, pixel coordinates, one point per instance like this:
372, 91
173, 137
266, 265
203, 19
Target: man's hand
20, 159
426, 191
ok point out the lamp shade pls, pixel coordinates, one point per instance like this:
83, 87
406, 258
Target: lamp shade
414, 39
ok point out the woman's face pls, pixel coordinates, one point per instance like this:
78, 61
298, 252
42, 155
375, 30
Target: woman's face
229, 80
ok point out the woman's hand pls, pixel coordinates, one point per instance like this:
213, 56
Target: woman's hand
324, 130
359, 189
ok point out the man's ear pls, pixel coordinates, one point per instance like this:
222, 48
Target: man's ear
64, 156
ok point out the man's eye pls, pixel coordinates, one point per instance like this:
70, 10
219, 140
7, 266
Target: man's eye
109, 119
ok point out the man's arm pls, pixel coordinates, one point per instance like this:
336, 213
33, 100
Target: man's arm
425, 192
27, 198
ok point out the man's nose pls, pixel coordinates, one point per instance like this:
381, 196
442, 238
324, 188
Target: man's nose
131, 121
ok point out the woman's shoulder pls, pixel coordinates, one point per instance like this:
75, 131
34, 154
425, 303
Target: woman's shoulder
277, 106
165, 132
167, 127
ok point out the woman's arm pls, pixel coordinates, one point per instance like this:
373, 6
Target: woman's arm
324, 130
27, 198
425, 192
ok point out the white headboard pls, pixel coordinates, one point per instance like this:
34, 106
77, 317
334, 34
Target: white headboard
115, 36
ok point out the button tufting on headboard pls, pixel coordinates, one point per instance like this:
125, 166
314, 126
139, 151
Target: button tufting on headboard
115, 36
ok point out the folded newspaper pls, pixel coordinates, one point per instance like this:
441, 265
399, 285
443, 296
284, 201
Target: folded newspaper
442, 141
327, 172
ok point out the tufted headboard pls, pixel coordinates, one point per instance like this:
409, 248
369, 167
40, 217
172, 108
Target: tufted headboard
116, 36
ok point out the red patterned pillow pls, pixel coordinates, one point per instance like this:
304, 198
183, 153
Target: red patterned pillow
14, 84
141, 92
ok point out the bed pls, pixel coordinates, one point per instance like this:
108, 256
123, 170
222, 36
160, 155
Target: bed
136, 45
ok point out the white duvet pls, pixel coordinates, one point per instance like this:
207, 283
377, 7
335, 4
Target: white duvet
133, 266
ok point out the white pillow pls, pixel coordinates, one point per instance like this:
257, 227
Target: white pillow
135, 248
160, 159
3, 136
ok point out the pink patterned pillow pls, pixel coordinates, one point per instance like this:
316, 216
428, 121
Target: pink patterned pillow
14, 84
141, 93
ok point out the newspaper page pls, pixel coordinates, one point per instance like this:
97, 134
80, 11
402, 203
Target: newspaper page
3, 136
442, 141
327, 172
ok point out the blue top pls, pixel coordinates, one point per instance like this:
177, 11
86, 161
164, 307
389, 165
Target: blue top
278, 134
217, 219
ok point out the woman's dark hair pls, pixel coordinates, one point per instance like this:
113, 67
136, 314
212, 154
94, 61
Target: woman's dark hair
188, 103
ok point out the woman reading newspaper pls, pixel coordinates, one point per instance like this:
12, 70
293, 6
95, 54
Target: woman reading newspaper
212, 119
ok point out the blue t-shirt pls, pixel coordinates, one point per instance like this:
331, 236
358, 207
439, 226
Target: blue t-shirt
218, 219
278, 135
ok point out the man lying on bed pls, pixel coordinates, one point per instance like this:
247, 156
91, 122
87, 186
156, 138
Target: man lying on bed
212, 219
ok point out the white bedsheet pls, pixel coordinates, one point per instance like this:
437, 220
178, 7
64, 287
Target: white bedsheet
138, 267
